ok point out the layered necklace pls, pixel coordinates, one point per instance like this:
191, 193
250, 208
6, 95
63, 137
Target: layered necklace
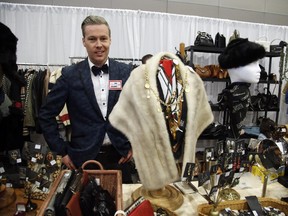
176, 96
173, 105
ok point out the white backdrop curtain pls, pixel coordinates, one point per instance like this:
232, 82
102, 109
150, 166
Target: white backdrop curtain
52, 34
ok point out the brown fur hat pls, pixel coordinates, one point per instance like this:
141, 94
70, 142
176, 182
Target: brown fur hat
240, 52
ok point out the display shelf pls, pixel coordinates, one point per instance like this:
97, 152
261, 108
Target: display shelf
216, 50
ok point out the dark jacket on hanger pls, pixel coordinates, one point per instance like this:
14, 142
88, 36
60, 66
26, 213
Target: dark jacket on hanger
11, 127
88, 126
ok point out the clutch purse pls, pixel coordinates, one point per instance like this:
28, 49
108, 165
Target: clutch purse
140, 207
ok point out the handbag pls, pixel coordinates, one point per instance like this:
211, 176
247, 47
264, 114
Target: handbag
263, 73
63, 198
236, 34
203, 72
95, 200
264, 101
144, 208
73, 206
140, 207
220, 40
204, 39
218, 72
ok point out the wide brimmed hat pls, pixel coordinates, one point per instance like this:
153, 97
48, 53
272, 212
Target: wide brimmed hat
240, 52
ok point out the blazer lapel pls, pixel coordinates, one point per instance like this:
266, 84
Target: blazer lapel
85, 76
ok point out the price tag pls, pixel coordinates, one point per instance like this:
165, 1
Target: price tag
45, 190
53, 162
9, 185
2, 170
37, 183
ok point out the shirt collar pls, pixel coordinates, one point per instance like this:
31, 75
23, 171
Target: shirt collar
91, 64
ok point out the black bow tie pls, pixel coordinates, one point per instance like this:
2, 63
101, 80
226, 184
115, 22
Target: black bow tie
97, 70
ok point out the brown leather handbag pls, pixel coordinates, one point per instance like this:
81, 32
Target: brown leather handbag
73, 206
203, 72
222, 73
214, 70
217, 71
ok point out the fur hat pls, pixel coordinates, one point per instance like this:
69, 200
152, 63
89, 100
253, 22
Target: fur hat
240, 52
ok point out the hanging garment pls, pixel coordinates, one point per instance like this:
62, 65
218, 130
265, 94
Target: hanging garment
63, 115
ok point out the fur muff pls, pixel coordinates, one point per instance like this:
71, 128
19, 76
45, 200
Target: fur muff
240, 52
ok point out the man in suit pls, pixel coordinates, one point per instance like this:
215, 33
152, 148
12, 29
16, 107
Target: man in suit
90, 90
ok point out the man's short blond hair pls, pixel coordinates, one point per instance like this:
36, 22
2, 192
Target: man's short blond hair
94, 20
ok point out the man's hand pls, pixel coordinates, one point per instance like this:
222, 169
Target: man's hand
68, 162
127, 158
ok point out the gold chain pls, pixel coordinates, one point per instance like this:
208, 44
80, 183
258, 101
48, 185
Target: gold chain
180, 97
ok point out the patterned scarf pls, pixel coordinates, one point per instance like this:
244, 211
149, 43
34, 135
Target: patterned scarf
169, 85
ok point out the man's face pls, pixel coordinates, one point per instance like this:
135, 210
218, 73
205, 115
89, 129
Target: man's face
97, 43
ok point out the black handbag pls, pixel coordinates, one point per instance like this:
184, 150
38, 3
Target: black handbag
220, 40
96, 201
263, 73
204, 39
264, 101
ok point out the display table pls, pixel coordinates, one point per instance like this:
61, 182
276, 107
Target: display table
249, 185
11, 209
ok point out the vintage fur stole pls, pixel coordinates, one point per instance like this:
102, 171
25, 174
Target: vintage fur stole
138, 118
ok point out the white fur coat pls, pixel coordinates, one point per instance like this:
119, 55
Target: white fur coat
138, 118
